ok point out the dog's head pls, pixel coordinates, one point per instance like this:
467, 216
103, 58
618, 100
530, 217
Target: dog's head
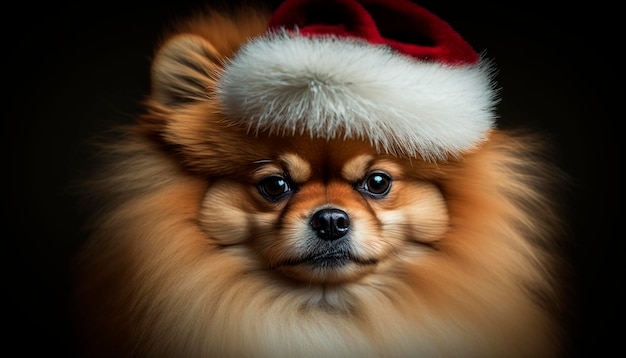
313, 172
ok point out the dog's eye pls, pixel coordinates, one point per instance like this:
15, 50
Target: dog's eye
274, 187
376, 184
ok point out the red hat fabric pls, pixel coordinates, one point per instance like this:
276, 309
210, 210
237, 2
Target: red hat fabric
389, 72
402, 25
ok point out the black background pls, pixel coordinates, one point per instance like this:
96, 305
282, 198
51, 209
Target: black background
68, 71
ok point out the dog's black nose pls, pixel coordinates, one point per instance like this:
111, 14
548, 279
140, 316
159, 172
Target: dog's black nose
330, 224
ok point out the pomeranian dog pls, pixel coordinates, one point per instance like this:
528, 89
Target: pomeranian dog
309, 188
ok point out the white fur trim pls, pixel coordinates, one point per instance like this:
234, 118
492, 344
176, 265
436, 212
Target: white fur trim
328, 86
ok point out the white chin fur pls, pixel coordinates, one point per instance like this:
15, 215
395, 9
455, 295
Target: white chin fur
328, 86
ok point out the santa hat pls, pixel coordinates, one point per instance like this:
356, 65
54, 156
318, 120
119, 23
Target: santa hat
387, 71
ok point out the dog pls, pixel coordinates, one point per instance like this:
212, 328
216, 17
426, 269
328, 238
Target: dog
255, 209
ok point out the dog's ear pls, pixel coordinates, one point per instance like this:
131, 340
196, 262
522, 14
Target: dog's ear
189, 62
185, 114
184, 70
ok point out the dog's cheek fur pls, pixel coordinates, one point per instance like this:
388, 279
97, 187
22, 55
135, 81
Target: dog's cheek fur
416, 211
233, 213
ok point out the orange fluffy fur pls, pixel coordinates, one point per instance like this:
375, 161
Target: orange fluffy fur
186, 259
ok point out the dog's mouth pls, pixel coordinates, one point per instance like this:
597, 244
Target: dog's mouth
329, 260
332, 265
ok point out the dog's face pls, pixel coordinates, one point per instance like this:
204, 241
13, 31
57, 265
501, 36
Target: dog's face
319, 210
325, 211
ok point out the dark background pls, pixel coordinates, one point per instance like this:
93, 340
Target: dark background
68, 71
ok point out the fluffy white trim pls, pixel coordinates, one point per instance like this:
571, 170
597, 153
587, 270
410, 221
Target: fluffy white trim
329, 86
